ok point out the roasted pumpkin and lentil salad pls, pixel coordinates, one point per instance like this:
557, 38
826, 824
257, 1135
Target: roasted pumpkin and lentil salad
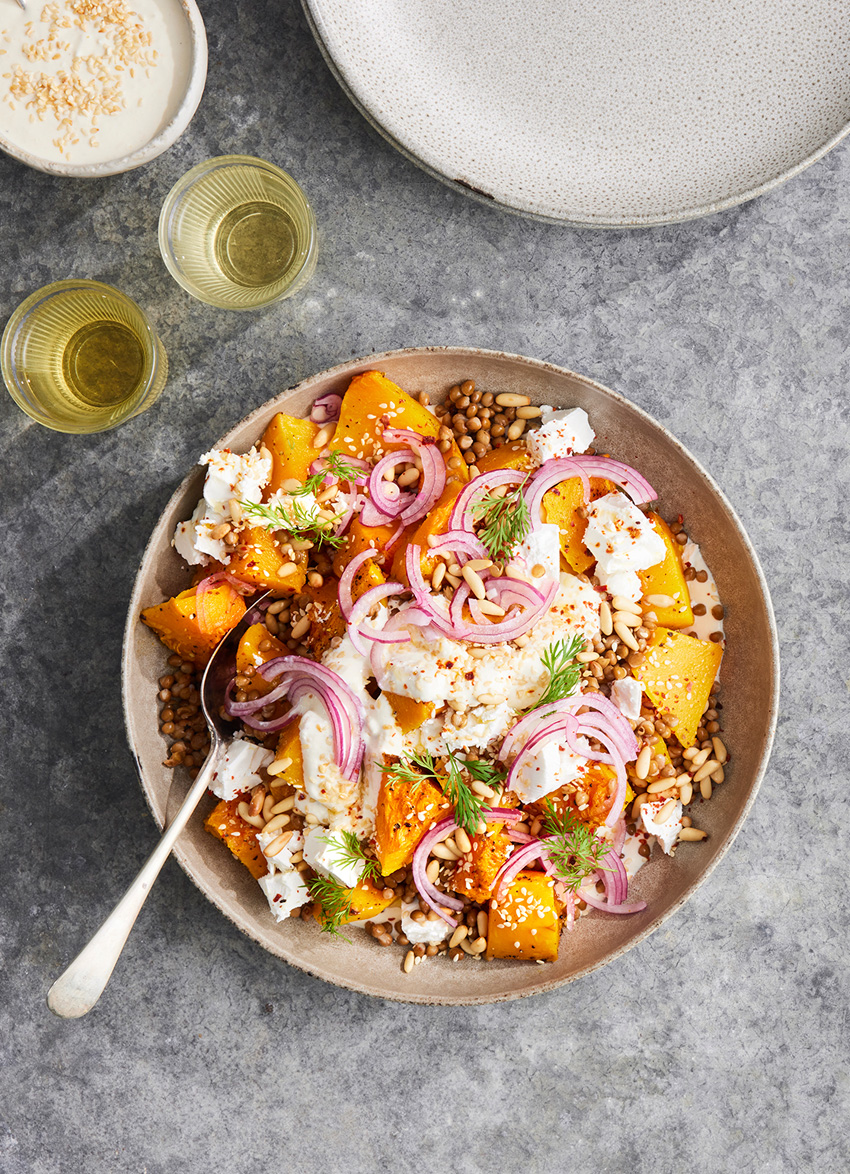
482, 688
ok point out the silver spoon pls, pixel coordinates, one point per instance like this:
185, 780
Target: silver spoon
77, 990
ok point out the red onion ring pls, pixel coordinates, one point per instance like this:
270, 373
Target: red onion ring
595, 903
326, 409
360, 611
552, 473
346, 581
461, 517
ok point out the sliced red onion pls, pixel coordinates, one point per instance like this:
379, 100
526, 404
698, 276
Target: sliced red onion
385, 495
595, 903
462, 515
553, 472
429, 893
206, 585
326, 408
360, 611
570, 902
346, 580
459, 542
514, 864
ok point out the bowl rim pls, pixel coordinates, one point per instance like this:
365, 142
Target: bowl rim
487, 200
154, 147
368, 362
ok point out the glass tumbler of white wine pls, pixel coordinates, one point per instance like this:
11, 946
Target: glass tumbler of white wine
79, 356
238, 233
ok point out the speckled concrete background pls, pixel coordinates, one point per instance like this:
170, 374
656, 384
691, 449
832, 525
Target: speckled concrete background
720, 1043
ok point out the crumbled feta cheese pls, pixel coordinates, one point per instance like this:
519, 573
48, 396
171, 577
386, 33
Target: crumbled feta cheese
304, 805
551, 767
666, 833
627, 695
623, 541
484, 724
425, 932
239, 768
325, 851
229, 476
541, 547
560, 434
282, 859
284, 891
323, 780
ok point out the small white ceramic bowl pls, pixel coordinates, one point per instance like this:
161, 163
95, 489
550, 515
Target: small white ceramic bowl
183, 101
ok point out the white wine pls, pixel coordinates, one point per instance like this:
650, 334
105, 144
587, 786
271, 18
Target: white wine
238, 233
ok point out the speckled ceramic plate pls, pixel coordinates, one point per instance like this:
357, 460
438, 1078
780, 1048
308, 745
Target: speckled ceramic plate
750, 683
610, 113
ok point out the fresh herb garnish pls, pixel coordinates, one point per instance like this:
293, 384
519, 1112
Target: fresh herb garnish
351, 852
506, 520
297, 521
564, 670
337, 466
573, 849
467, 805
335, 901
489, 773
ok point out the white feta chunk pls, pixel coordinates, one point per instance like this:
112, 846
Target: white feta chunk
239, 769
560, 434
424, 932
666, 833
284, 891
627, 696
550, 767
281, 859
623, 541
325, 851
541, 547
232, 476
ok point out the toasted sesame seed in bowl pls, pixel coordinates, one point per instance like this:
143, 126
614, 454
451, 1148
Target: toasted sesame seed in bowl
96, 87
730, 747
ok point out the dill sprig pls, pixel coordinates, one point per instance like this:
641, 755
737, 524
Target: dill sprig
564, 670
297, 521
335, 901
489, 773
351, 852
573, 849
337, 466
506, 520
467, 805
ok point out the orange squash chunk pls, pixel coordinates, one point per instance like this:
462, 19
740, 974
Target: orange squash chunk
678, 675
668, 578
225, 823
367, 900
594, 789
525, 923
290, 441
289, 746
258, 560
359, 538
176, 621
326, 619
249, 655
409, 714
561, 505
514, 455
475, 872
369, 398
405, 812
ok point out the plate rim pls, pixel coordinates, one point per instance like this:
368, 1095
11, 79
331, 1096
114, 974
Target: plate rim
489, 201
534, 988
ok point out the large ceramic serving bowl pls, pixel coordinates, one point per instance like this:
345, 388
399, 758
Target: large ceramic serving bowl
750, 684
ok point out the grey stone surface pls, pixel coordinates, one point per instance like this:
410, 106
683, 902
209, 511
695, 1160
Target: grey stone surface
721, 1043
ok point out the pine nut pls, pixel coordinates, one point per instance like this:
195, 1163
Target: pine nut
278, 767
462, 840
458, 936
620, 603
509, 399
626, 636
285, 805
658, 786
686, 793
219, 531
706, 769
409, 960
476, 586
717, 776
638, 803
433, 871
236, 511
606, 624
586, 657
301, 544
690, 753
274, 609
666, 811
516, 430
692, 834
659, 600
408, 477
327, 494
628, 618
324, 435
476, 947
483, 922
438, 576
527, 412
244, 812
454, 569
480, 564
268, 804
512, 571
481, 827
301, 628
482, 789
720, 752
488, 608
297, 857
285, 569
452, 580
276, 822
699, 758
444, 853
643, 761
705, 788
278, 844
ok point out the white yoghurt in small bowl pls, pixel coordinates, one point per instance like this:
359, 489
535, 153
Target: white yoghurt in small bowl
96, 87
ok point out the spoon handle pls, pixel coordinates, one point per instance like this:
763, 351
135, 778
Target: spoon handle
77, 990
